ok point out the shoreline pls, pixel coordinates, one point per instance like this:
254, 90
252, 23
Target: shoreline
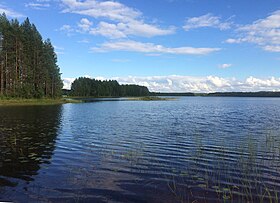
35, 102
65, 100
76, 99
132, 98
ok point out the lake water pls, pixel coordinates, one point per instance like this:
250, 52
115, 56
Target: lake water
198, 149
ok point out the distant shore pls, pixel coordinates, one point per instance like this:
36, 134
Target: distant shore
220, 94
150, 98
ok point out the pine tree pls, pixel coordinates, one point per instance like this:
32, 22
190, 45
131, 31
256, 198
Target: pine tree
28, 64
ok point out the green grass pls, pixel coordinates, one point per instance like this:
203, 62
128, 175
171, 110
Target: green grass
63, 100
232, 182
20, 101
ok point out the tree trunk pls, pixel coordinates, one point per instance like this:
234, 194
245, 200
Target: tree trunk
2, 77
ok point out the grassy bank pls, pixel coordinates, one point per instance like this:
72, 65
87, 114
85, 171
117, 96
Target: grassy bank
64, 100
20, 101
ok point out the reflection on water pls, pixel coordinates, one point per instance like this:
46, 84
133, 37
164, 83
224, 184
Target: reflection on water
191, 149
27, 140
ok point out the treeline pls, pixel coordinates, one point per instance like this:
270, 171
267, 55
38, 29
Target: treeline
245, 94
28, 65
87, 87
221, 94
175, 94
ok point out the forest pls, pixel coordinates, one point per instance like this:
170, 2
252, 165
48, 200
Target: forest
28, 66
87, 87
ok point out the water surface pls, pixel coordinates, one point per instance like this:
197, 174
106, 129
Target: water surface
193, 148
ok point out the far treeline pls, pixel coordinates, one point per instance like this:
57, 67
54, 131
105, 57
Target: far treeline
87, 87
221, 94
28, 65
245, 94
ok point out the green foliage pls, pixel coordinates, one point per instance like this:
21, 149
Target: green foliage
28, 67
86, 87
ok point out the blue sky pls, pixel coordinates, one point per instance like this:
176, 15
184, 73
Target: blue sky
167, 45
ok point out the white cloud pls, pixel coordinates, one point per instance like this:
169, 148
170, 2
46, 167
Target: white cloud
153, 54
263, 32
177, 83
108, 30
86, 41
225, 65
134, 46
68, 29
9, 12
263, 83
123, 30
101, 9
58, 50
139, 28
208, 20
85, 24
234, 41
67, 83
272, 48
38, 6
123, 20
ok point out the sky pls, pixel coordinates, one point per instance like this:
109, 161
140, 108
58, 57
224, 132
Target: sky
166, 45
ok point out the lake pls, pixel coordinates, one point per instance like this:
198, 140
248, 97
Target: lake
202, 149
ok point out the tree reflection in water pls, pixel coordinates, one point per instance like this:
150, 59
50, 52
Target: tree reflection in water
27, 139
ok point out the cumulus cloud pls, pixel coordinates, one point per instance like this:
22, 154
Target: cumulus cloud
263, 32
85, 24
272, 48
208, 20
109, 30
225, 65
124, 20
9, 12
177, 83
67, 83
263, 83
134, 46
105, 9
68, 29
